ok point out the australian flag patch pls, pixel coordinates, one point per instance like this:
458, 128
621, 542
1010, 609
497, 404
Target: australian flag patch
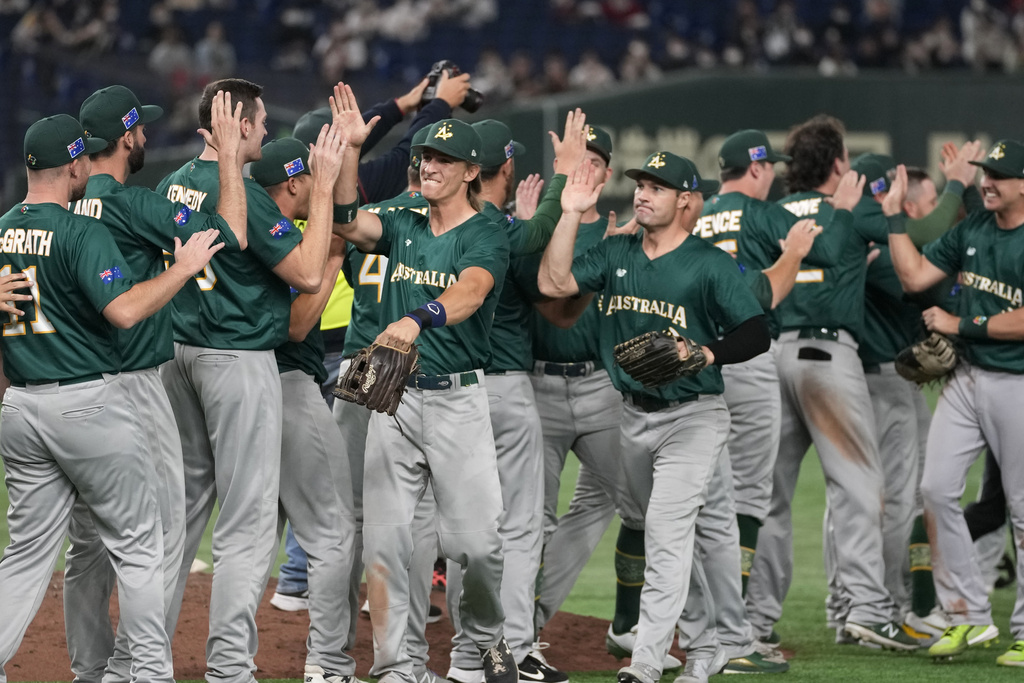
280, 228
181, 218
294, 166
130, 119
76, 148
111, 274
758, 153
877, 186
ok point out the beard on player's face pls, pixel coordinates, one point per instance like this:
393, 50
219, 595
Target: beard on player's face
136, 158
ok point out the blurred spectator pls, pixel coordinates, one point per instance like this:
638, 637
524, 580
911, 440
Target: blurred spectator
406, 21
492, 78
556, 73
987, 45
679, 54
745, 35
936, 48
215, 56
786, 39
626, 13
295, 36
471, 14
338, 51
836, 58
636, 64
591, 73
171, 58
521, 71
879, 44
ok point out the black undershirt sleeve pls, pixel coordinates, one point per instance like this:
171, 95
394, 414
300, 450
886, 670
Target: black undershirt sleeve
749, 339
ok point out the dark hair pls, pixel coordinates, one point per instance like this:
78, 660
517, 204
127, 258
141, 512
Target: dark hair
916, 174
814, 145
473, 190
488, 173
736, 172
241, 90
107, 151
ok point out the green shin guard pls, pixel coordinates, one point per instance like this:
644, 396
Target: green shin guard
749, 527
629, 578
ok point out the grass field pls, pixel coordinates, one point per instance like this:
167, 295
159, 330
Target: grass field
802, 627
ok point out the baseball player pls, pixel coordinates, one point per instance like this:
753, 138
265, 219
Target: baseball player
144, 225
974, 408
442, 273
225, 387
825, 401
70, 429
316, 485
514, 419
672, 436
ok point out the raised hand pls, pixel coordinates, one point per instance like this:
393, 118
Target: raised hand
452, 90
411, 99
848, 192
628, 228
326, 155
197, 252
571, 148
579, 195
346, 115
225, 135
528, 196
893, 202
800, 237
9, 283
957, 166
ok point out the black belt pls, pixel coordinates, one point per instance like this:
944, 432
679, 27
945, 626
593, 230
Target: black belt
572, 369
872, 369
652, 404
822, 333
433, 382
60, 383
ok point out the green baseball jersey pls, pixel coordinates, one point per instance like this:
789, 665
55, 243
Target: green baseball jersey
991, 266
833, 296
695, 289
306, 355
77, 270
144, 225
422, 265
891, 321
750, 230
365, 274
236, 302
552, 343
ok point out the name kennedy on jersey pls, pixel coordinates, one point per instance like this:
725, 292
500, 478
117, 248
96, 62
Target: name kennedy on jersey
1000, 289
618, 302
193, 199
423, 277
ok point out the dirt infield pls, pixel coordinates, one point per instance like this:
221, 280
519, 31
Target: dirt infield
577, 643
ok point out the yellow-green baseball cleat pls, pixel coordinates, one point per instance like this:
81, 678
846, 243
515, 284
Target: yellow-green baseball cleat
1012, 657
957, 639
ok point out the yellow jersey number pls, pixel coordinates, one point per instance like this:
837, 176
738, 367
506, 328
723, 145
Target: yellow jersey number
372, 272
39, 324
206, 278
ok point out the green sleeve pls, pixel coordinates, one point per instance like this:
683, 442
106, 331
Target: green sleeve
538, 230
159, 221
590, 267
946, 253
972, 199
942, 217
761, 286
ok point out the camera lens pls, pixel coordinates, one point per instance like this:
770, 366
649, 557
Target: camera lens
474, 98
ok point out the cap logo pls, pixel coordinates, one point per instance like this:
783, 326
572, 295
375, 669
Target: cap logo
76, 148
657, 161
510, 149
130, 119
695, 182
31, 160
878, 186
444, 132
998, 152
294, 166
591, 135
757, 153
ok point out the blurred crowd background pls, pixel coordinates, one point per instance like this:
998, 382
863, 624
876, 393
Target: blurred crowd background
56, 52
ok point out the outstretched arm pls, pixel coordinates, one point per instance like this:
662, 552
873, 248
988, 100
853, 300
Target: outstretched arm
361, 228
916, 273
555, 278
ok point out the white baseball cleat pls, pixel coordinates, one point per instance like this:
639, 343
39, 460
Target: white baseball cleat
621, 645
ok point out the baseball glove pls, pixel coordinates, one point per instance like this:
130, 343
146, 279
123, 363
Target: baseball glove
377, 377
927, 360
653, 358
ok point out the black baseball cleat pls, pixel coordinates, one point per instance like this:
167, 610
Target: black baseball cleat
499, 664
534, 668
434, 615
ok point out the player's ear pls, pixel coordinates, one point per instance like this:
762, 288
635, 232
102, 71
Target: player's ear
472, 171
607, 173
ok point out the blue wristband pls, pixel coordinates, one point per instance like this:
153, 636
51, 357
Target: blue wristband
430, 314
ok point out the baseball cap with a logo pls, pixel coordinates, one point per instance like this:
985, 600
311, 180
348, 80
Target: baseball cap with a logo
676, 172
599, 141
58, 140
455, 138
282, 159
496, 143
745, 147
875, 168
109, 112
1006, 158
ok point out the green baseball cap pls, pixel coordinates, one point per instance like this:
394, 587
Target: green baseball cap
1006, 158
676, 172
746, 146
58, 140
455, 138
109, 112
496, 143
876, 168
282, 159
414, 150
599, 141
307, 128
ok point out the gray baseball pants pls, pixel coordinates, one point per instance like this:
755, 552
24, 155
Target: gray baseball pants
88, 575
316, 494
227, 404
52, 439
443, 436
